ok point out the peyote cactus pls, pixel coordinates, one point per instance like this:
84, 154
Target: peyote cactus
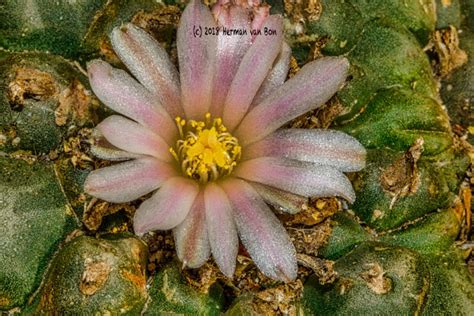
400, 248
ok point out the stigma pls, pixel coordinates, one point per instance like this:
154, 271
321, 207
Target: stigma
206, 151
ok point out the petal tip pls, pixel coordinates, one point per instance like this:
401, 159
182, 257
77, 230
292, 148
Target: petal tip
345, 62
139, 230
125, 28
94, 64
289, 275
97, 68
87, 186
349, 196
228, 273
341, 65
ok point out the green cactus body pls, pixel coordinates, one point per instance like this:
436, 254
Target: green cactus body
67, 28
374, 279
391, 102
36, 219
98, 276
169, 294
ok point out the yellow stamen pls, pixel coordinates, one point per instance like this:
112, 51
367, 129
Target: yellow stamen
206, 151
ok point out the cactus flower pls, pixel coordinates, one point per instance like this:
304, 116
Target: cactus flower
207, 140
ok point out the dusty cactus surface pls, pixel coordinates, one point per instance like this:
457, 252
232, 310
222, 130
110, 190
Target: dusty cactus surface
404, 247
111, 275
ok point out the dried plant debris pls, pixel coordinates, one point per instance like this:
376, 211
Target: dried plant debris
315, 212
204, 277
445, 48
29, 83
308, 240
74, 104
402, 178
76, 150
322, 117
161, 249
265, 296
294, 68
94, 276
323, 269
156, 21
279, 300
8, 135
375, 279
106, 50
262, 297
470, 265
463, 208
96, 211
303, 10
162, 24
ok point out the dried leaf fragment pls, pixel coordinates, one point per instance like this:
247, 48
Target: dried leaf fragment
30, 83
309, 240
376, 279
323, 269
94, 276
402, 178
446, 47
74, 102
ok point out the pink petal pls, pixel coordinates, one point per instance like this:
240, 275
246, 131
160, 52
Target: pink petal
168, 207
253, 69
129, 180
312, 86
192, 243
230, 51
150, 64
221, 229
107, 153
298, 177
196, 54
261, 232
123, 94
325, 147
260, 15
102, 149
277, 75
133, 137
281, 200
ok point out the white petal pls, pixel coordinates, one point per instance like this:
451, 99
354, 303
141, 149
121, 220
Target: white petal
123, 94
277, 75
192, 243
150, 64
282, 200
312, 86
253, 69
325, 147
230, 51
133, 137
261, 232
221, 229
103, 149
129, 180
196, 54
302, 178
167, 208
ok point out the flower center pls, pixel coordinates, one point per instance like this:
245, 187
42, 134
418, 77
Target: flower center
206, 150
